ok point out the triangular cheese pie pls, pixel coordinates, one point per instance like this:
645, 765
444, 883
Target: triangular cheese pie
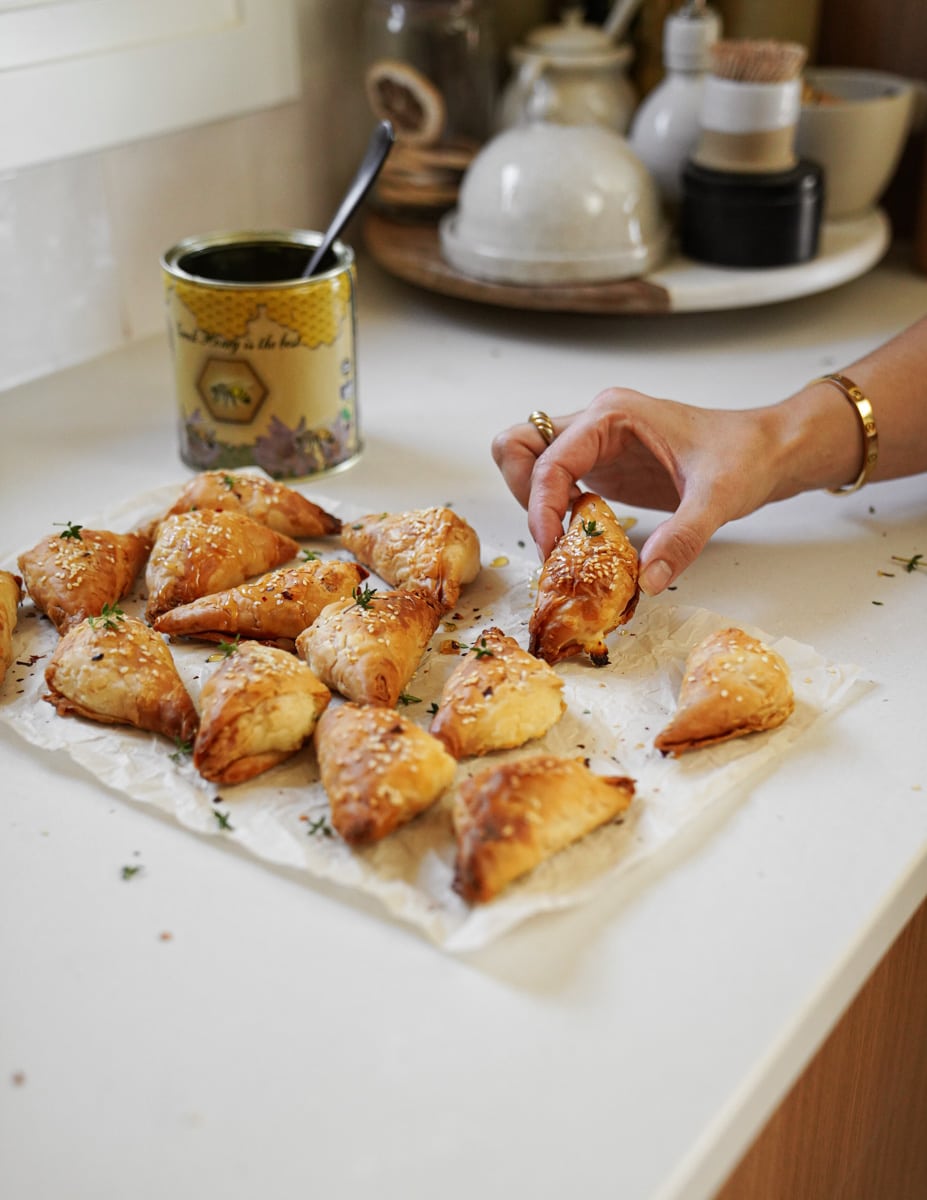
258, 708
587, 587
265, 500
379, 770
511, 817
369, 648
115, 669
275, 607
429, 548
498, 697
733, 685
76, 573
206, 551
11, 593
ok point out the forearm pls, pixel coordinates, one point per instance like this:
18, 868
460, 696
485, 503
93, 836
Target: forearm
817, 434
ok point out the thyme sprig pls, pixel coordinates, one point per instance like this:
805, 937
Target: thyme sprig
915, 563
591, 529
109, 617
363, 596
70, 530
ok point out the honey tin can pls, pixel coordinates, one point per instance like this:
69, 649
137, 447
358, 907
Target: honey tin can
264, 359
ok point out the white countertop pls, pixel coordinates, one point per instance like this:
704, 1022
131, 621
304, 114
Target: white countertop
291, 1040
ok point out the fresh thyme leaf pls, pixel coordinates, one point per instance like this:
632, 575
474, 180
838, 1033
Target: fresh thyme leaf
183, 748
481, 650
109, 618
229, 481
129, 872
311, 555
223, 819
915, 562
433, 708
363, 596
70, 530
591, 529
227, 649
320, 825
405, 698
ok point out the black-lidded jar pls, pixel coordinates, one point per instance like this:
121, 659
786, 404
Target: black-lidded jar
741, 219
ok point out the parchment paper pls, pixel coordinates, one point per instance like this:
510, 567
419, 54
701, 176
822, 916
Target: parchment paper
613, 714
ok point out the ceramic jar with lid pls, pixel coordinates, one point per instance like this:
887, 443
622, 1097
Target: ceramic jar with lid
430, 69
570, 74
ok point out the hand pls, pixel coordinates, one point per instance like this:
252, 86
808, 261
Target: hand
706, 466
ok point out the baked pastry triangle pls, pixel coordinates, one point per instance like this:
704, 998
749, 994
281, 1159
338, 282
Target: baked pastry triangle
369, 647
379, 769
114, 669
257, 709
265, 500
733, 685
274, 607
206, 551
76, 573
587, 587
428, 548
497, 697
510, 817
11, 593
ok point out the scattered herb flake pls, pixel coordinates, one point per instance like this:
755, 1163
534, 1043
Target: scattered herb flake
131, 872
311, 555
914, 563
223, 820
433, 708
182, 749
481, 650
878, 602
109, 618
591, 529
320, 825
406, 698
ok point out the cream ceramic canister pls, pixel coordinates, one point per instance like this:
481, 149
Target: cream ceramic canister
569, 74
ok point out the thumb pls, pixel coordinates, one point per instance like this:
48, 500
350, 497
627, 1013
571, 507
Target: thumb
674, 545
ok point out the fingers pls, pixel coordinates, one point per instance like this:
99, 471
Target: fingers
676, 544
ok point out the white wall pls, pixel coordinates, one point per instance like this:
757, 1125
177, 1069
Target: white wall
80, 238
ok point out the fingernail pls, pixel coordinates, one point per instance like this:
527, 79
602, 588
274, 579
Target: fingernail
655, 576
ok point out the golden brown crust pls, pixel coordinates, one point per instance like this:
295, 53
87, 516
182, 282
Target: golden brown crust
200, 552
273, 504
379, 770
498, 697
257, 710
118, 671
11, 592
369, 648
733, 685
276, 607
75, 574
511, 817
429, 548
587, 588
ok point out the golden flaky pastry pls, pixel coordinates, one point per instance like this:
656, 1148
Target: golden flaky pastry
265, 500
588, 586
275, 607
509, 818
78, 572
259, 707
498, 697
733, 685
11, 593
379, 769
200, 552
428, 548
117, 670
369, 648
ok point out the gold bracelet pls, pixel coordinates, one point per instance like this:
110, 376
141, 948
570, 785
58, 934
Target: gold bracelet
863, 408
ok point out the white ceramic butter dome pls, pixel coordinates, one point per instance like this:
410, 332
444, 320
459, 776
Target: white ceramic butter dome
544, 203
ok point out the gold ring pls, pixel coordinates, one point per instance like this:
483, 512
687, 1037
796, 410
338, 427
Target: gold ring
543, 424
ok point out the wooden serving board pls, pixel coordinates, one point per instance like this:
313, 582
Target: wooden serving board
413, 253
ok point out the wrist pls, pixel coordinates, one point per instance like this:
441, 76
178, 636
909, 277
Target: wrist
816, 440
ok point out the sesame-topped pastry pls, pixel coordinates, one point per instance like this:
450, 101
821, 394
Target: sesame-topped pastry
76, 573
257, 710
511, 817
273, 504
197, 553
733, 685
11, 593
275, 607
587, 587
429, 548
497, 697
369, 647
114, 669
379, 769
